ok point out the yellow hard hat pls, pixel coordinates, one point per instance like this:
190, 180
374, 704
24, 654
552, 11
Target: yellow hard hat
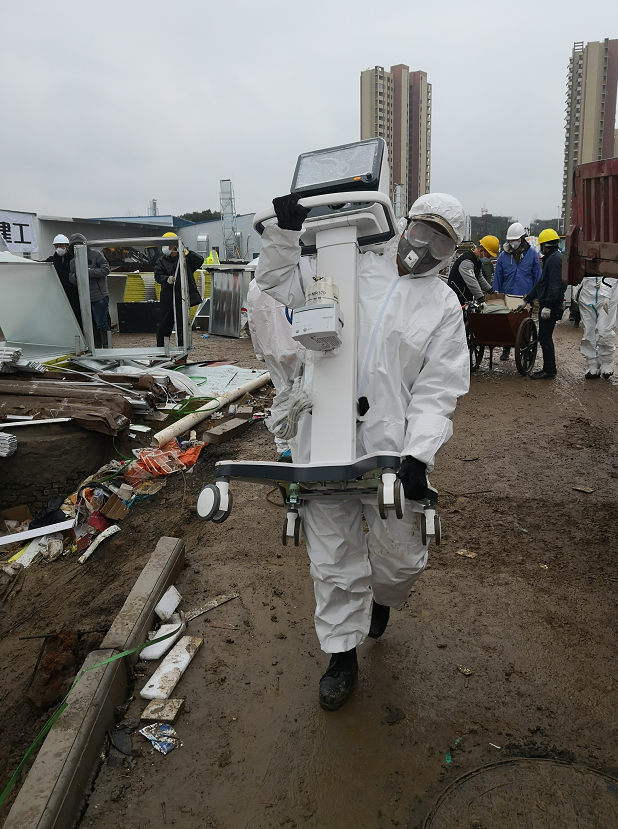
491, 244
548, 235
169, 233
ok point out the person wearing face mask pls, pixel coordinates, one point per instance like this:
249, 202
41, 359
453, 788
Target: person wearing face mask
413, 365
466, 276
167, 274
549, 291
61, 259
518, 268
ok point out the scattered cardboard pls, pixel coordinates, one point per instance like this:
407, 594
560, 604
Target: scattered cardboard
114, 509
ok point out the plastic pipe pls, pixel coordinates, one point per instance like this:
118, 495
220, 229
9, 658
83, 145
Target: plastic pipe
189, 421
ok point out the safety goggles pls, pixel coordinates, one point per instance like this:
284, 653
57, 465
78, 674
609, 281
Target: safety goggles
421, 234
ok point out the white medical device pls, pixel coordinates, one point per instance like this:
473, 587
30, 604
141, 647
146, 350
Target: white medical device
345, 189
318, 327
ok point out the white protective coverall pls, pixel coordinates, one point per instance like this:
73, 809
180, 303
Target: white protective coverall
418, 367
597, 345
272, 340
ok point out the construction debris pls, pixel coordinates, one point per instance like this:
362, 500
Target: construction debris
105, 534
176, 626
227, 431
225, 597
8, 444
167, 675
166, 711
168, 603
162, 736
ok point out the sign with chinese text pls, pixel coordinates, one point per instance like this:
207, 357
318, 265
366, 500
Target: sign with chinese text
17, 230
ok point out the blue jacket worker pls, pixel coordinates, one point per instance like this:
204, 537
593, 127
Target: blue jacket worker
518, 267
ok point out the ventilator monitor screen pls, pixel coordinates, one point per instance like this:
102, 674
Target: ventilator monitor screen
337, 169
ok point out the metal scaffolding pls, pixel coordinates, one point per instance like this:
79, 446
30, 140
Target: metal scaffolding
228, 220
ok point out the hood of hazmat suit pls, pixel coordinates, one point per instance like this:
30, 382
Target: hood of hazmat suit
444, 207
413, 361
435, 226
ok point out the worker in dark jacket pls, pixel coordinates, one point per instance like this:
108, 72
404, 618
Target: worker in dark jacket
61, 259
549, 291
98, 269
167, 274
466, 275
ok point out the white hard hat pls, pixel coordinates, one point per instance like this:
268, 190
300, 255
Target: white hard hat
442, 209
61, 240
516, 231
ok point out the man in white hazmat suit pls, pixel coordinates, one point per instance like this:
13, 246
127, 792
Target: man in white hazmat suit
598, 301
413, 365
272, 340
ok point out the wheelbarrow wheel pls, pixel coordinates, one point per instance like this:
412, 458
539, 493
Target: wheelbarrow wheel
526, 344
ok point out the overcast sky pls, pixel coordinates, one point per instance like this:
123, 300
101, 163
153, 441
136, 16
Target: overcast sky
106, 105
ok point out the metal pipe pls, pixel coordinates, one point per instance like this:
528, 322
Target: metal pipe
188, 422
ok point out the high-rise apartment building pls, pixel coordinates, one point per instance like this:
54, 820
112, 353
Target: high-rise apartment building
396, 106
592, 82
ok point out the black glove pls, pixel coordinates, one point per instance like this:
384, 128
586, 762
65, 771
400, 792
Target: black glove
290, 214
413, 476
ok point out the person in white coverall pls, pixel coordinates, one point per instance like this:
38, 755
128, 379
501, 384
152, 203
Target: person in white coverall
272, 341
598, 301
410, 380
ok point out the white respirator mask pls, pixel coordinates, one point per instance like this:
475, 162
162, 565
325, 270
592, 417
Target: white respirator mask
422, 249
166, 251
515, 243
61, 251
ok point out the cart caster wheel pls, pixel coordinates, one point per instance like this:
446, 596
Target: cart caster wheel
438, 529
223, 515
292, 528
208, 502
298, 529
382, 511
423, 530
399, 498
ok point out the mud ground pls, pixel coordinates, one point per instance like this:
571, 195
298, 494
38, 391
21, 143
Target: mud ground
532, 616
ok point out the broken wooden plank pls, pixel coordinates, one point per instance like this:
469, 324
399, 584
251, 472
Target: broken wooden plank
226, 431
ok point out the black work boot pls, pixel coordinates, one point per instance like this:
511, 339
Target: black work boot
506, 354
336, 684
379, 620
542, 375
